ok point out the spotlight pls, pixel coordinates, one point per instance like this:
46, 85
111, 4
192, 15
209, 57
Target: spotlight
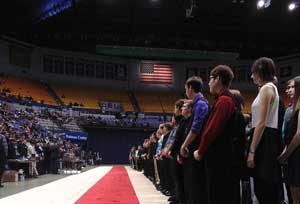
260, 4
263, 4
292, 6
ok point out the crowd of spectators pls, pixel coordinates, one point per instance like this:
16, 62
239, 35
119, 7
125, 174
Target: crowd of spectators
29, 146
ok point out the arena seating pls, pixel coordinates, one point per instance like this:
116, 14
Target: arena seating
25, 87
157, 102
89, 97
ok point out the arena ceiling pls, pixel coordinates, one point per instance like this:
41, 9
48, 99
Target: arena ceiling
216, 25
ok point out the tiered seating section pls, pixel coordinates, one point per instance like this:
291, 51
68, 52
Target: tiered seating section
89, 97
26, 88
156, 102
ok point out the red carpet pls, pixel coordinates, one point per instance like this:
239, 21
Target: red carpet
114, 187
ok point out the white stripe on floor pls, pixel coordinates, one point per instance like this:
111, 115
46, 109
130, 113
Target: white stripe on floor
63, 191
144, 189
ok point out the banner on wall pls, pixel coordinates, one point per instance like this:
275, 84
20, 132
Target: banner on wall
73, 135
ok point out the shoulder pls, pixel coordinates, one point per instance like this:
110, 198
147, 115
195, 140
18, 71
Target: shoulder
225, 99
225, 103
201, 104
267, 90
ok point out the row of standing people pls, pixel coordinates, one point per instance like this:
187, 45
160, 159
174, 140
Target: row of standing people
200, 158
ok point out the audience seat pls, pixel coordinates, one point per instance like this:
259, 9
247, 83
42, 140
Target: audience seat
26, 88
157, 102
89, 97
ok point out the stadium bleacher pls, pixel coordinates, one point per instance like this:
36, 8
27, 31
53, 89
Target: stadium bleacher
24, 87
157, 102
90, 97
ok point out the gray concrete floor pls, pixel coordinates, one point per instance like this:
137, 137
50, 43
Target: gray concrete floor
11, 188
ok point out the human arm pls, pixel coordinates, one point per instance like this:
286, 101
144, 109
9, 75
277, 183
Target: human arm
266, 95
292, 146
223, 110
200, 113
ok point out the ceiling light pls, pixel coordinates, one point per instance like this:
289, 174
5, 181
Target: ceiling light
260, 4
263, 4
292, 6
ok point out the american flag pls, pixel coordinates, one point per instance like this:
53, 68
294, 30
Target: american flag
156, 73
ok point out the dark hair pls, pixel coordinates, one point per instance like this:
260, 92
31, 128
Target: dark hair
178, 118
195, 82
265, 68
179, 103
237, 98
224, 72
168, 126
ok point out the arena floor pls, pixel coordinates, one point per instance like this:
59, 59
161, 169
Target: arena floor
104, 184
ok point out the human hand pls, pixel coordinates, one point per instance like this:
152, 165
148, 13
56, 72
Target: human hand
197, 156
179, 160
250, 160
184, 151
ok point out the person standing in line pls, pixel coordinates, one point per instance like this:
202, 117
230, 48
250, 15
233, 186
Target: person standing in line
194, 178
291, 153
157, 165
266, 143
290, 92
166, 181
175, 168
181, 133
215, 147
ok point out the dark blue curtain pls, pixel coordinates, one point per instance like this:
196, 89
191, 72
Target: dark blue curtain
114, 144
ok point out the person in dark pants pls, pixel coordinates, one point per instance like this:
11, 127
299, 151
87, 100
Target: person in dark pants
163, 163
291, 154
174, 166
194, 176
266, 143
238, 152
152, 151
181, 133
47, 155
54, 156
290, 92
215, 144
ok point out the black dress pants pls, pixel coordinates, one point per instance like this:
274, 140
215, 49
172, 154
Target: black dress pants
177, 176
267, 192
195, 187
